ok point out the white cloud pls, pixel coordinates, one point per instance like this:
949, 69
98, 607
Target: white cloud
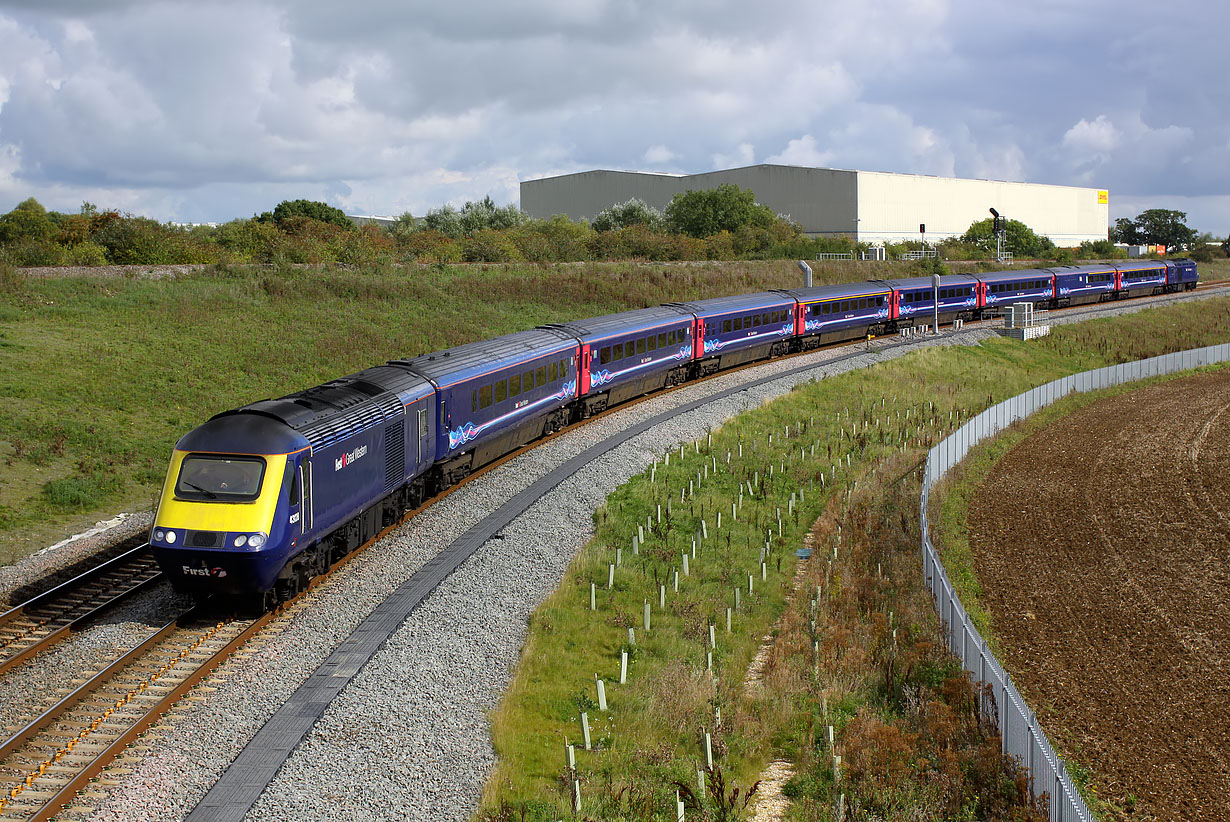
659, 155
1099, 137
744, 154
802, 152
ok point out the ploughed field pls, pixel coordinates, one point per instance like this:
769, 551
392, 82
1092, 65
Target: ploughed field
1103, 551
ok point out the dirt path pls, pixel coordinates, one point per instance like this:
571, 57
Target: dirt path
1103, 549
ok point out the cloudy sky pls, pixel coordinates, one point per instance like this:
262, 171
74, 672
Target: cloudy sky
207, 111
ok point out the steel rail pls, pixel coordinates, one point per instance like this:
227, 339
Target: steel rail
138, 556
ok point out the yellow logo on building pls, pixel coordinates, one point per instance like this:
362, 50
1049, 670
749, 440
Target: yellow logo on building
1103, 197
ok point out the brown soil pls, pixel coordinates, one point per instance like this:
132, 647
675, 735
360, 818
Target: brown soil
1103, 549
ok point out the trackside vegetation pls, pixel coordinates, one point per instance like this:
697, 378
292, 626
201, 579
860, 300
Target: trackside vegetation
852, 685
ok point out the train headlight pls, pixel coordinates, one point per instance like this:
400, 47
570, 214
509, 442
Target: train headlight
159, 535
241, 540
256, 540
171, 537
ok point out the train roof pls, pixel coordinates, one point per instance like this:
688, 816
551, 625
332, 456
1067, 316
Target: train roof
624, 322
337, 408
474, 359
1011, 276
738, 302
1136, 265
1081, 269
238, 433
925, 282
829, 292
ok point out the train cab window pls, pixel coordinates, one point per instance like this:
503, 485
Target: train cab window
484, 397
640, 346
604, 356
501, 391
652, 342
542, 376
293, 497
619, 352
662, 340
514, 385
217, 478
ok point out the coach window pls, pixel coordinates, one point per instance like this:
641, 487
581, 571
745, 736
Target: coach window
474, 400
619, 352
653, 342
563, 368
604, 356
501, 391
640, 346
527, 381
484, 396
662, 340
542, 376
554, 371
514, 385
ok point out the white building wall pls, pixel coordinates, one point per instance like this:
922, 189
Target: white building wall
891, 207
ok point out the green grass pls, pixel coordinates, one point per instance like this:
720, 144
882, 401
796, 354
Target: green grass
652, 735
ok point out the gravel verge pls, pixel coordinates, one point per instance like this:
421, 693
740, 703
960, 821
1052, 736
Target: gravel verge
409, 737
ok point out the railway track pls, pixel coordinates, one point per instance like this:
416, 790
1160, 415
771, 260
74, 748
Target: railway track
41, 622
53, 756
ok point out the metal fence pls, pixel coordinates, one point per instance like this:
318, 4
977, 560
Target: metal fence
1022, 737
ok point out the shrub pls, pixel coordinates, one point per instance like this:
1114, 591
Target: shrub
708, 211
28, 221
87, 253
74, 492
570, 240
488, 245
1099, 249
30, 251
431, 246
1202, 253
312, 209
628, 213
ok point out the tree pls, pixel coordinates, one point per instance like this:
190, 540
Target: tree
1019, 238
708, 211
1126, 231
28, 221
1160, 226
313, 209
629, 212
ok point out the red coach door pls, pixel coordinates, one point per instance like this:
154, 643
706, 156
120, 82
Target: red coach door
583, 377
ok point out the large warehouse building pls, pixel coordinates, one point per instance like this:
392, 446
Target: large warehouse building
871, 206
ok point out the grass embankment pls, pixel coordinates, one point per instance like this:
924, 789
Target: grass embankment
856, 647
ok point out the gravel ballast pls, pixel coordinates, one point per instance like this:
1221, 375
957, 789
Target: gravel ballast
409, 737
